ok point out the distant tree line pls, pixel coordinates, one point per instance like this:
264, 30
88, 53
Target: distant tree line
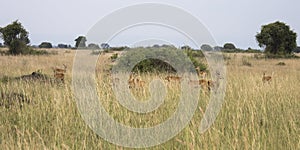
277, 39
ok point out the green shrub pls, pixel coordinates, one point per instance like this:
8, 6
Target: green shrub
45, 45
281, 64
167, 58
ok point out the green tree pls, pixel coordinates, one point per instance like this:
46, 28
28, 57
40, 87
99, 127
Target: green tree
80, 42
206, 47
15, 37
277, 38
297, 49
186, 47
45, 45
229, 46
105, 46
93, 46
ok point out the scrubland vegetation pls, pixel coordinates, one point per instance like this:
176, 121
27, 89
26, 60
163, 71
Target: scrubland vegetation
255, 115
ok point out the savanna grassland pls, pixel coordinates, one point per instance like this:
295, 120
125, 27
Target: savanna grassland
254, 115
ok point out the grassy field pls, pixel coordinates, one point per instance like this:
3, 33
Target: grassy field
254, 115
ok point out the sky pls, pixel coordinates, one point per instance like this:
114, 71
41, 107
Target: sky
233, 21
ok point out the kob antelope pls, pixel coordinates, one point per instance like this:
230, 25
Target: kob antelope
173, 78
59, 73
205, 84
136, 81
201, 74
60, 70
266, 78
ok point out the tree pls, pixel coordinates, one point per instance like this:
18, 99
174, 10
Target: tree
93, 46
297, 50
15, 37
229, 46
80, 42
45, 45
277, 38
218, 48
105, 46
62, 46
186, 47
206, 47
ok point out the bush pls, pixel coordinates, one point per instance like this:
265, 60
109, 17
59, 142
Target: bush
63, 46
281, 64
45, 45
206, 47
297, 50
119, 48
18, 47
93, 46
229, 46
168, 57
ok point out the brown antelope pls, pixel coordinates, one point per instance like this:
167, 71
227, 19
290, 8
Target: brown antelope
140, 83
173, 78
60, 70
266, 78
135, 81
60, 76
200, 73
59, 73
205, 84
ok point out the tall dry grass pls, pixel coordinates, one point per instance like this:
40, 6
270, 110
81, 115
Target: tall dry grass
254, 115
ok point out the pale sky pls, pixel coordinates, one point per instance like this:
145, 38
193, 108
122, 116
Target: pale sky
236, 21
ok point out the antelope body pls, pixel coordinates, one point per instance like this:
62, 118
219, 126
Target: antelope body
266, 78
173, 78
59, 73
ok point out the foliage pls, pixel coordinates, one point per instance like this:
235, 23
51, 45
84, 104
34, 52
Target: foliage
206, 47
281, 64
105, 46
277, 38
45, 45
93, 46
297, 50
147, 61
15, 37
192, 54
218, 48
186, 47
80, 42
63, 46
241, 51
119, 48
229, 46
